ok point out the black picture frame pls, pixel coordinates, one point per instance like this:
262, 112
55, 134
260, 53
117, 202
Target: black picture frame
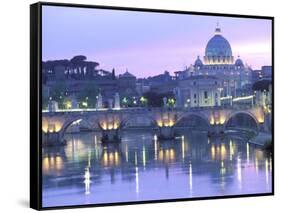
36, 102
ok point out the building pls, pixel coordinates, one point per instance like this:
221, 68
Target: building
200, 91
127, 84
263, 93
265, 73
78, 77
142, 86
162, 83
230, 74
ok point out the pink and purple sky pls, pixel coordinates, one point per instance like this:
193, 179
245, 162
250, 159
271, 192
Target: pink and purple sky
145, 43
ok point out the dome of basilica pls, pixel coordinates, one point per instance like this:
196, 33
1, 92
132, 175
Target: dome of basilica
218, 50
239, 62
198, 62
218, 46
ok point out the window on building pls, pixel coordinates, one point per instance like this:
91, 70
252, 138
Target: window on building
194, 96
194, 82
205, 94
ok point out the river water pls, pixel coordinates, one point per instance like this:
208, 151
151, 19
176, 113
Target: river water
143, 168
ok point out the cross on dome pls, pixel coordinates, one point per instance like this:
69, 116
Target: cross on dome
218, 29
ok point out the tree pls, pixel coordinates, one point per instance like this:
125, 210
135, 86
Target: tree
113, 74
45, 97
156, 99
58, 90
261, 85
87, 94
77, 60
153, 99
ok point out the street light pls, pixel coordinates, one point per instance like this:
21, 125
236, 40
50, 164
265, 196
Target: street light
143, 100
171, 101
125, 100
68, 104
84, 104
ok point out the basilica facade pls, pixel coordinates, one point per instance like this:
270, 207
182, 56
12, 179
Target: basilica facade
217, 76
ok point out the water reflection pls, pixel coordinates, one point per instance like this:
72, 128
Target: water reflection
52, 162
143, 168
110, 156
190, 178
87, 180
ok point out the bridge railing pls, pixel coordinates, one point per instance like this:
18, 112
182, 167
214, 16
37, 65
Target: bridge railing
144, 109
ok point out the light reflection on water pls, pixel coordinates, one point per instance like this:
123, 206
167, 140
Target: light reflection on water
143, 168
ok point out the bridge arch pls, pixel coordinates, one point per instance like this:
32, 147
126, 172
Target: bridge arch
251, 119
148, 118
197, 116
91, 123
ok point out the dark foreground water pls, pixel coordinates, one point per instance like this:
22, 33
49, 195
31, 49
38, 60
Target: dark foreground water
142, 168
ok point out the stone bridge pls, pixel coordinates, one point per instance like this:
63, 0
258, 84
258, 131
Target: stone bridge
110, 122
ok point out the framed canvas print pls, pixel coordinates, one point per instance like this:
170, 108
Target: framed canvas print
132, 105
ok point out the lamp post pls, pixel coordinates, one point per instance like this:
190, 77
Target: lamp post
143, 101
